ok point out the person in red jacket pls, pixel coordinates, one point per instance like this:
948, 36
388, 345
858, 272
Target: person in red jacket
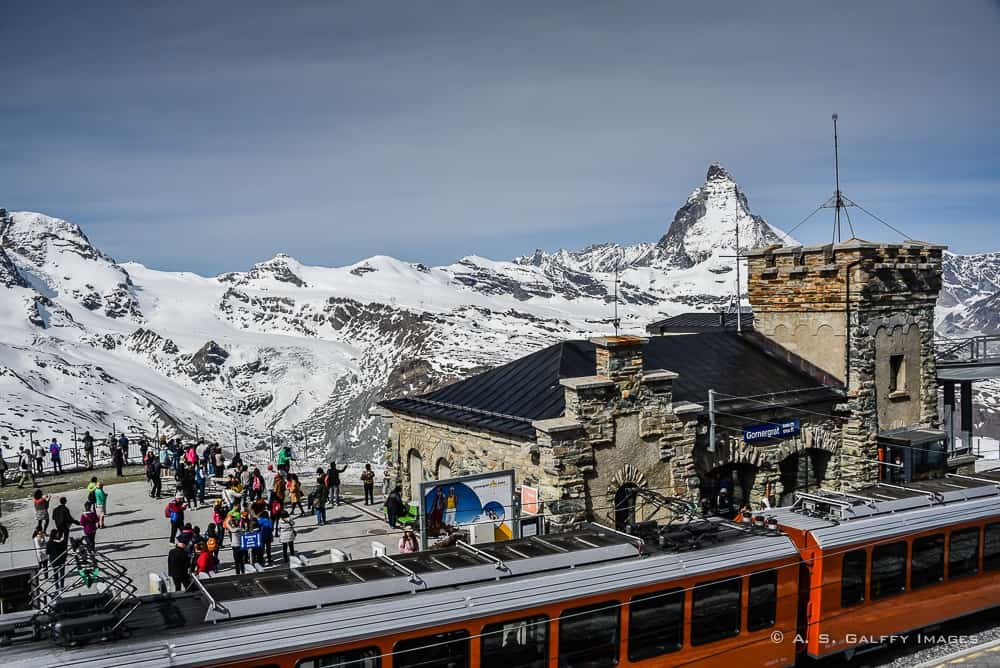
204, 561
175, 513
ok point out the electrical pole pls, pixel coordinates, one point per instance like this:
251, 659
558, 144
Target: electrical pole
711, 421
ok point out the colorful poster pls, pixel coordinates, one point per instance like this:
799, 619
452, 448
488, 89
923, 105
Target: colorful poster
484, 499
529, 500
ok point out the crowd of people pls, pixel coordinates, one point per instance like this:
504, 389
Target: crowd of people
31, 460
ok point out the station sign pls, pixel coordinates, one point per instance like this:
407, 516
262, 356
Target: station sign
772, 430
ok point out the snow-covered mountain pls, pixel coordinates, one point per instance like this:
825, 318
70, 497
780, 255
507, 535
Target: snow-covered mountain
306, 351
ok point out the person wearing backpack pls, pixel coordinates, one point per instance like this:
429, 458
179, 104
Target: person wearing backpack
24, 466
174, 511
89, 523
91, 489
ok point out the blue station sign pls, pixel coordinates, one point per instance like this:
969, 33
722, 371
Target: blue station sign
771, 430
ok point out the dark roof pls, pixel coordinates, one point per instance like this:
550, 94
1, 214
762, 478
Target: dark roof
700, 322
507, 398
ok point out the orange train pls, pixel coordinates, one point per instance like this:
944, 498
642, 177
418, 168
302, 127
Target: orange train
825, 576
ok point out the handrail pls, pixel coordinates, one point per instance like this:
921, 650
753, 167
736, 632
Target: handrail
501, 566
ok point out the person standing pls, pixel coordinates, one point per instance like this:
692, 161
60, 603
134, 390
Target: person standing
235, 525
55, 549
179, 566
101, 501
40, 452
156, 478
295, 494
319, 499
123, 447
386, 483
88, 522
286, 534
118, 457
39, 540
368, 482
174, 512
278, 488
266, 528
63, 519
394, 506
88, 449
55, 451
40, 502
284, 460
334, 483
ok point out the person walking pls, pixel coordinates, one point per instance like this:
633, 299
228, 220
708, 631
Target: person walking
88, 522
55, 451
101, 501
40, 502
174, 511
286, 534
24, 466
88, 449
39, 540
334, 483
55, 549
368, 482
179, 566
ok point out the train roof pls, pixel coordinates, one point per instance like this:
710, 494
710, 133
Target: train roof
279, 627
882, 510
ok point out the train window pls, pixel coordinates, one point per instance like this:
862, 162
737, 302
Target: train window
366, 657
991, 547
588, 637
655, 624
927, 561
441, 650
518, 642
715, 610
963, 552
888, 569
762, 600
852, 578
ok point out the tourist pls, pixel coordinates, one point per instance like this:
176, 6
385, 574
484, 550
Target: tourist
284, 459
178, 566
88, 449
55, 549
278, 488
334, 483
368, 482
724, 504
204, 561
277, 507
3, 470
88, 522
101, 501
118, 456
269, 476
40, 452
318, 499
295, 493
394, 505
24, 466
408, 541
40, 502
174, 511
286, 534
219, 459
38, 539
123, 447
266, 528
218, 516
188, 486
257, 484
199, 484
62, 518
386, 483
92, 489
235, 525
55, 451
213, 541
232, 492
154, 471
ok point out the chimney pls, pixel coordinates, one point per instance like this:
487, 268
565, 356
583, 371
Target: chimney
619, 358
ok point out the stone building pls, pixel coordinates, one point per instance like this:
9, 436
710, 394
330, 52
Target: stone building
838, 352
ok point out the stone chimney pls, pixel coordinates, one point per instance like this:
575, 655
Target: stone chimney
619, 358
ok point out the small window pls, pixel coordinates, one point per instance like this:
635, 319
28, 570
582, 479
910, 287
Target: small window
888, 570
442, 650
991, 547
715, 610
519, 642
588, 637
762, 600
655, 624
927, 561
963, 553
897, 373
852, 578
366, 657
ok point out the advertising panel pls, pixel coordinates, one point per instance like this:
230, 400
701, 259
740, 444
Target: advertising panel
529, 500
486, 499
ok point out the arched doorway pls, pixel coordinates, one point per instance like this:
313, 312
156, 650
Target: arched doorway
625, 506
442, 470
801, 472
415, 465
737, 479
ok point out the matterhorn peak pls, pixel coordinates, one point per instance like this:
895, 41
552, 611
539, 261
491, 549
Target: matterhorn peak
717, 172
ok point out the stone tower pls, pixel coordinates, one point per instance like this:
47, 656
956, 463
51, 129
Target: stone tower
863, 314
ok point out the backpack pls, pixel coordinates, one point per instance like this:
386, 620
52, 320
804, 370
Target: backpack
169, 512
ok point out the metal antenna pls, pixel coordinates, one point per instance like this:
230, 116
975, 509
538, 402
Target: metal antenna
838, 200
616, 321
739, 295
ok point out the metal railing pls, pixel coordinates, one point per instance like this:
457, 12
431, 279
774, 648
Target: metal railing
971, 350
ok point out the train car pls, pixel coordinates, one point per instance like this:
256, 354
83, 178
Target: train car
887, 560
699, 593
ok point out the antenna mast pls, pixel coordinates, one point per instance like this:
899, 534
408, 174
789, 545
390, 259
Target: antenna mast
739, 288
616, 321
838, 200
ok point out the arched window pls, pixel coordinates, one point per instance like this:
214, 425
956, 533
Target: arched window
415, 464
625, 506
442, 469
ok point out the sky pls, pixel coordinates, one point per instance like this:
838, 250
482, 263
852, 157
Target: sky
208, 136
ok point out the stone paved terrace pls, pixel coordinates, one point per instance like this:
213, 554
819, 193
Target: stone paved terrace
137, 532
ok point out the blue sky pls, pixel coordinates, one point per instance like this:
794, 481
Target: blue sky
208, 136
